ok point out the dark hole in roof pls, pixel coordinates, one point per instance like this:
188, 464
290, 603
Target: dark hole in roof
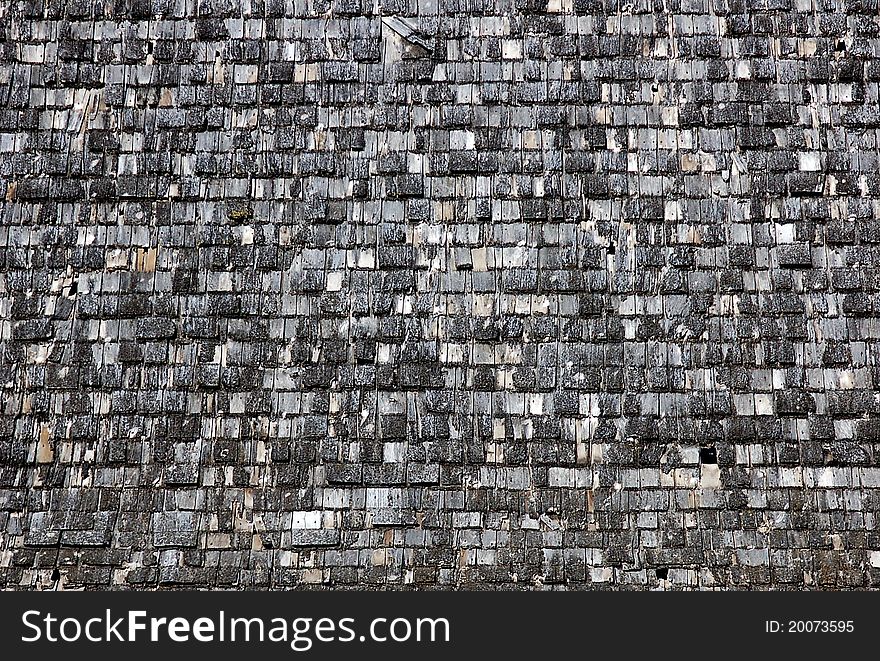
708, 456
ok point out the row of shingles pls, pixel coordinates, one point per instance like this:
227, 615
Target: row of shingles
32, 328
828, 350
